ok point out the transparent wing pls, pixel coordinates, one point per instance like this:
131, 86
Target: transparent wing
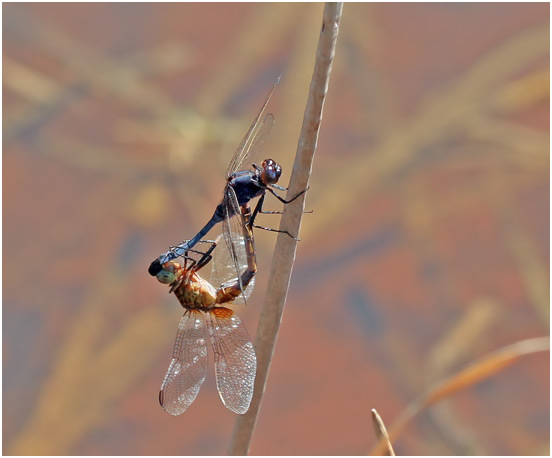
254, 132
188, 367
258, 140
262, 134
224, 271
235, 360
232, 229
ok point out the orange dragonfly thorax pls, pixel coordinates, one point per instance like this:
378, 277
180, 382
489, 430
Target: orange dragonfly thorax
192, 291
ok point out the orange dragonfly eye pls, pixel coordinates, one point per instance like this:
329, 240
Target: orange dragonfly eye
166, 277
169, 273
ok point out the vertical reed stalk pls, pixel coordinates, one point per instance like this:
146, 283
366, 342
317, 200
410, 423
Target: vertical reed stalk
284, 253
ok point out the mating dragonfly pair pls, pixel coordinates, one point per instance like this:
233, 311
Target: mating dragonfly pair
235, 360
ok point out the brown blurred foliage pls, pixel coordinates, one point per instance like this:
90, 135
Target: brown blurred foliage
428, 246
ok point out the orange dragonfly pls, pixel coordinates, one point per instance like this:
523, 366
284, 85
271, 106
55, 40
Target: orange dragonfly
235, 360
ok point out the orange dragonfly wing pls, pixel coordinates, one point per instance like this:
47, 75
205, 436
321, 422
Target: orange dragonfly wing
188, 367
235, 360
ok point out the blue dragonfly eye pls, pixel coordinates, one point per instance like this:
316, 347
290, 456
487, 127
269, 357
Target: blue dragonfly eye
271, 171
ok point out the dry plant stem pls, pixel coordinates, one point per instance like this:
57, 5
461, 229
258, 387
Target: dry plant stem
381, 433
284, 253
474, 373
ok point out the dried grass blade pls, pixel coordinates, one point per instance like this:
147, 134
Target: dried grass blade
381, 433
474, 373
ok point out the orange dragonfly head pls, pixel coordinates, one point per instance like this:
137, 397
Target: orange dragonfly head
170, 273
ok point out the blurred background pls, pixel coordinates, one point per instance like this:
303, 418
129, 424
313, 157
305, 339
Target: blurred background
428, 247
